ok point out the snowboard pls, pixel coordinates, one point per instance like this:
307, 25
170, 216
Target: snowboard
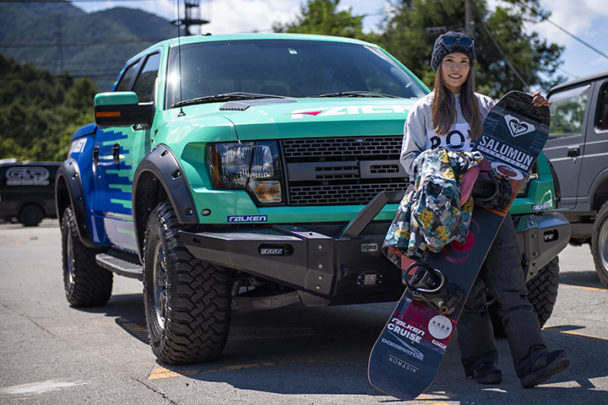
406, 356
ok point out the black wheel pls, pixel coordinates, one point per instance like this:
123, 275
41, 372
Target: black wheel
599, 244
542, 294
31, 215
85, 283
187, 301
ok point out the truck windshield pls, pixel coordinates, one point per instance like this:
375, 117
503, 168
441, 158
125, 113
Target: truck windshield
289, 68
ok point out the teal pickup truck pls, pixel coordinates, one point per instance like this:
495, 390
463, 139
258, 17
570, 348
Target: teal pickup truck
246, 172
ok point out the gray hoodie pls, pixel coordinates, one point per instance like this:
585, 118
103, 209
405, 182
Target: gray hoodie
419, 134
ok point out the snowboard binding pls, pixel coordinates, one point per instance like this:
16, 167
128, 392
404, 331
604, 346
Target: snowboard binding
492, 191
429, 285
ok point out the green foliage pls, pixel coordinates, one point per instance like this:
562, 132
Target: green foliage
39, 112
60, 37
322, 17
509, 57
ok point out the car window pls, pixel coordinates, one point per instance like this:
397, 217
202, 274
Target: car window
568, 111
144, 85
126, 79
602, 116
292, 68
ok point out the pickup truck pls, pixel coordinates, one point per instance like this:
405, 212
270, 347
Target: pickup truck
254, 171
578, 150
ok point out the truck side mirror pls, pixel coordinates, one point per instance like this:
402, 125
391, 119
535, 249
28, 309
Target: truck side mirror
121, 109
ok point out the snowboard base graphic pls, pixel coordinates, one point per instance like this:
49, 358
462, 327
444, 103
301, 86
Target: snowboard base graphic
409, 350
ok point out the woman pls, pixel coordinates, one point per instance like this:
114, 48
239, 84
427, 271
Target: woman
452, 117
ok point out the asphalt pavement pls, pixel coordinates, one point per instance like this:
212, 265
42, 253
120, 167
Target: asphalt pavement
54, 354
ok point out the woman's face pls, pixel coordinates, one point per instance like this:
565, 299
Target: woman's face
455, 68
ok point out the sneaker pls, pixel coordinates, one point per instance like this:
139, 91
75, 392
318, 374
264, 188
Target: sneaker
487, 373
546, 366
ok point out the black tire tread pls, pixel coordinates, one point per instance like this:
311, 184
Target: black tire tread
93, 284
197, 321
31, 215
600, 220
542, 290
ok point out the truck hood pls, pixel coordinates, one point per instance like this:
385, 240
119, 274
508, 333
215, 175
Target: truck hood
312, 117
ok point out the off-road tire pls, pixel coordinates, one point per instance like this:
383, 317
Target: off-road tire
31, 215
85, 283
599, 244
542, 294
186, 300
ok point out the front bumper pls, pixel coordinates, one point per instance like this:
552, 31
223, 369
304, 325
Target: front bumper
541, 238
338, 265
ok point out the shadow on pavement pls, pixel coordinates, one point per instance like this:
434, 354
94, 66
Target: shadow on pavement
128, 311
298, 350
581, 279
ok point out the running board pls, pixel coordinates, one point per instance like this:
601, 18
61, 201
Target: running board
120, 263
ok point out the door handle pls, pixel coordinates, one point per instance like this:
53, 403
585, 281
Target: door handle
96, 155
116, 153
574, 151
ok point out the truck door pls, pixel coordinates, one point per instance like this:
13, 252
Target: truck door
565, 145
116, 154
594, 159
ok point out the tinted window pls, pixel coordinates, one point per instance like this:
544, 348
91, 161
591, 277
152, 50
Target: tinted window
568, 111
127, 78
602, 116
144, 85
286, 68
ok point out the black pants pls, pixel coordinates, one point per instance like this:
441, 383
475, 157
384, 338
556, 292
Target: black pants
502, 276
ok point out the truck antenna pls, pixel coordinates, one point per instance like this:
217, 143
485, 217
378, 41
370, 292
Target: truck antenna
179, 59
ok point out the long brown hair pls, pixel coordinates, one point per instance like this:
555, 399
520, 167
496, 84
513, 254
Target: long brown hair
444, 113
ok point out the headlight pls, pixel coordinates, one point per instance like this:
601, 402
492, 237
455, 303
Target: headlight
251, 166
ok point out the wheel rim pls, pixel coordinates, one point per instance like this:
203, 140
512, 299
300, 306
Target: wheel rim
159, 282
69, 258
603, 244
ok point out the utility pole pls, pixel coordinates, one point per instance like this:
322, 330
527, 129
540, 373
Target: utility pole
468, 18
189, 18
59, 37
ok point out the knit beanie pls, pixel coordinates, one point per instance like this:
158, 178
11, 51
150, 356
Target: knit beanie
441, 49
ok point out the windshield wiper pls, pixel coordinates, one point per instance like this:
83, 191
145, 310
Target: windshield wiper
357, 93
237, 95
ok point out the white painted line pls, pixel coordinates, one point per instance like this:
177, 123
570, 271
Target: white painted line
39, 387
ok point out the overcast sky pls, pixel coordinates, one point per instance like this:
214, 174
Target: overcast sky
587, 19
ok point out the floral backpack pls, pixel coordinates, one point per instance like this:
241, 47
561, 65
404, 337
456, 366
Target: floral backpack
430, 214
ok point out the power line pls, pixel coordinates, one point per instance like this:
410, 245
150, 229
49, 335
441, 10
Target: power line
546, 18
485, 27
76, 44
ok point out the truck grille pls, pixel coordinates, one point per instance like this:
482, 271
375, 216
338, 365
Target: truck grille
342, 171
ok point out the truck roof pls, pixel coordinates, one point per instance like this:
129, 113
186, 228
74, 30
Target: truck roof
249, 36
579, 80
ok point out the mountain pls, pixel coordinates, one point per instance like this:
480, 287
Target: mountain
60, 37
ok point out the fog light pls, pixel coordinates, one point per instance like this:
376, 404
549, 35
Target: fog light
268, 192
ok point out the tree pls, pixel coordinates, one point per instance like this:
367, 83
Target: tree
39, 111
322, 17
508, 57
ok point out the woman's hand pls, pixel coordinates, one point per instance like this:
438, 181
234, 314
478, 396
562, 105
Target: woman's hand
539, 101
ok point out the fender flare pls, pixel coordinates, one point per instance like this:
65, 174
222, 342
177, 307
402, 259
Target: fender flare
165, 168
69, 174
598, 189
